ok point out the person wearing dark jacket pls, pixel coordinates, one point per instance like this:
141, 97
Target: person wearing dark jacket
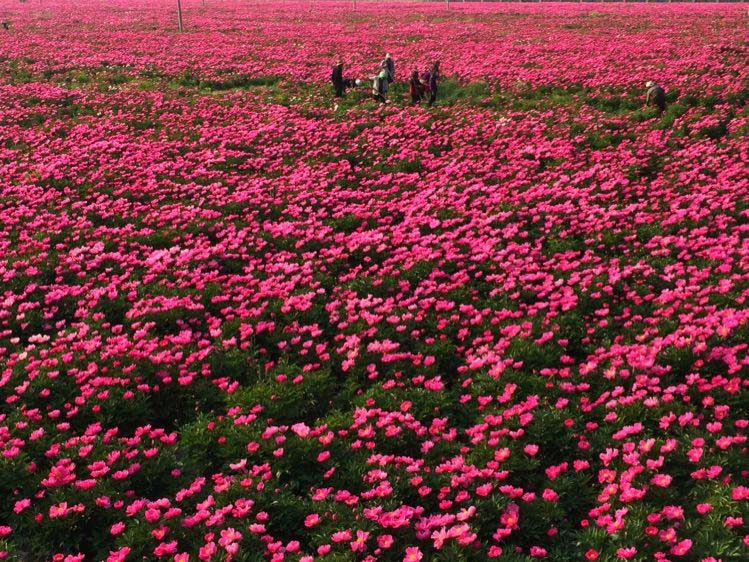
432, 80
415, 88
339, 82
389, 65
656, 96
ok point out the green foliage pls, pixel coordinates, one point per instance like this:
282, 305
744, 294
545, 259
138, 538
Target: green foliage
286, 402
600, 141
714, 132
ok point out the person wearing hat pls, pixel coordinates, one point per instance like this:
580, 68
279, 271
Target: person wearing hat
656, 96
339, 82
389, 65
379, 85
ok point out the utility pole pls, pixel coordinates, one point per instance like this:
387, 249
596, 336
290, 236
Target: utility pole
179, 16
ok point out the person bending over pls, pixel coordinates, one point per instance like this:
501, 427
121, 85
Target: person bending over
656, 96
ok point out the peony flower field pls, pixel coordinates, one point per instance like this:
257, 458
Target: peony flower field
241, 321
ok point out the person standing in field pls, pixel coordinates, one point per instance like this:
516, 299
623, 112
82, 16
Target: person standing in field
415, 88
380, 86
339, 82
656, 96
431, 80
389, 65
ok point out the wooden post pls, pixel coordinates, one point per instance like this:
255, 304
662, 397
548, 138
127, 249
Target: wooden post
179, 16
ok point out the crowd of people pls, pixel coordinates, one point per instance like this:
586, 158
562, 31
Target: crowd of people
421, 86
425, 86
